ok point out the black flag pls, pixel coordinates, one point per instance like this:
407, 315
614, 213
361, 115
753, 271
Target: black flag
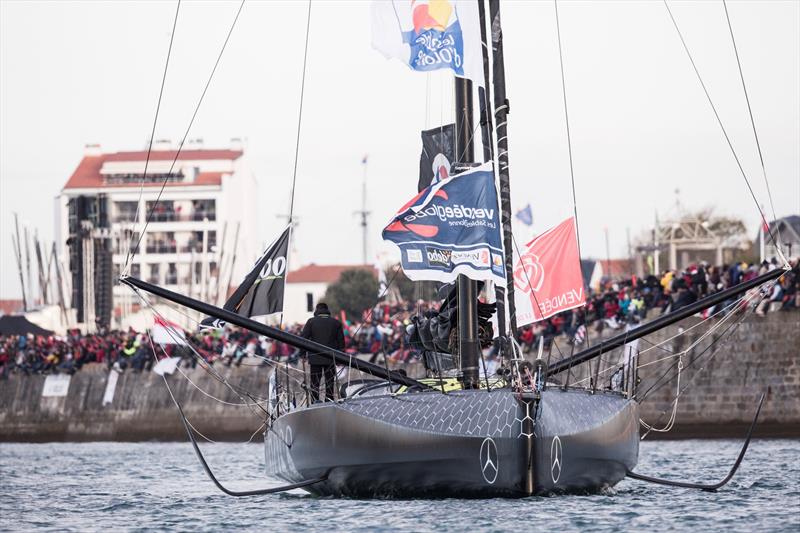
438, 154
261, 292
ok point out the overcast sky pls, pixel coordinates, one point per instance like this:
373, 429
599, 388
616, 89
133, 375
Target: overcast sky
73, 73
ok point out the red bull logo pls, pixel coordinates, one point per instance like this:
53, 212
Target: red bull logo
431, 14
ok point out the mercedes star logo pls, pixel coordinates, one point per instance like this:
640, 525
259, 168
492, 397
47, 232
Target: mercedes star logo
556, 456
489, 463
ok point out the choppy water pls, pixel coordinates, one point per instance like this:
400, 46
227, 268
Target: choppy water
127, 486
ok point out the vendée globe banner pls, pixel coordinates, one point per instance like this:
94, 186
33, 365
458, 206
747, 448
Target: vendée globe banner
451, 227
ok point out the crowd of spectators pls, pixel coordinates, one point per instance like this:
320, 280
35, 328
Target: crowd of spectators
620, 302
382, 330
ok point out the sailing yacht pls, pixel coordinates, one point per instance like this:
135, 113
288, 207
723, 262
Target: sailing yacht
455, 433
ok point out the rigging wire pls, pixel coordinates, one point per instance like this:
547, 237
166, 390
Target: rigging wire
659, 345
719, 120
297, 142
128, 255
752, 121
186, 133
569, 137
300, 113
721, 341
660, 383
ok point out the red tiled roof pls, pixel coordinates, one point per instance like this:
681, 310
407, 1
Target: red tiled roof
10, 307
322, 273
87, 174
618, 267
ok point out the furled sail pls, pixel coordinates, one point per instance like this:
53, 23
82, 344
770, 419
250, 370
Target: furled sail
261, 292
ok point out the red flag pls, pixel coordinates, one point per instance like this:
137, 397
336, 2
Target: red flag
547, 277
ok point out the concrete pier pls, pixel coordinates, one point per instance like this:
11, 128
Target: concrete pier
763, 355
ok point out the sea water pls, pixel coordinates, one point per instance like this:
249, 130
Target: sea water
161, 486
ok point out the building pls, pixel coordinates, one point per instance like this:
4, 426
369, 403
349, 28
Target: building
786, 232
199, 206
306, 286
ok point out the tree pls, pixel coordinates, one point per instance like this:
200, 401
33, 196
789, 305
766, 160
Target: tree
355, 291
411, 291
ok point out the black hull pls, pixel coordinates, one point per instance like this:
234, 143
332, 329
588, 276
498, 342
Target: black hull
463, 444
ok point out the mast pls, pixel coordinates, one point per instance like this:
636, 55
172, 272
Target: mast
487, 137
469, 346
501, 119
18, 255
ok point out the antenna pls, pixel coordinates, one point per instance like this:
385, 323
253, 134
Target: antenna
363, 212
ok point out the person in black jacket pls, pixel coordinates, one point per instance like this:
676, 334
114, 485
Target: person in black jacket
324, 329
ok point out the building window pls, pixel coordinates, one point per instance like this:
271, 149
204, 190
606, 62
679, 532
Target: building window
204, 209
163, 211
172, 275
196, 241
161, 242
125, 211
309, 302
136, 270
155, 274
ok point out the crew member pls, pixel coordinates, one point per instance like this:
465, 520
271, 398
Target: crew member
326, 330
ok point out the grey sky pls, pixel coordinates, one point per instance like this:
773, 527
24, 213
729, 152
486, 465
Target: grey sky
78, 72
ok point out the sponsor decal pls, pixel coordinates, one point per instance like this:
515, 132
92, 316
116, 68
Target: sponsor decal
497, 260
438, 256
489, 463
414, 255
478, 258
556, 458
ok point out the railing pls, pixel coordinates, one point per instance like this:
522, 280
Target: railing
171, 216
197, 247
162, 249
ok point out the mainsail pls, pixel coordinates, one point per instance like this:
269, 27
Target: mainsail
261, 292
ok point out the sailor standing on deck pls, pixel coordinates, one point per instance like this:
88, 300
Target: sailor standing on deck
324, 329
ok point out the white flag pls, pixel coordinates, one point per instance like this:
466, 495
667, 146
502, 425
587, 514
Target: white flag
168, 365
430, 34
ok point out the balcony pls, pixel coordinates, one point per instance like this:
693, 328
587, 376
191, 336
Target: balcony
162, 248
172, 216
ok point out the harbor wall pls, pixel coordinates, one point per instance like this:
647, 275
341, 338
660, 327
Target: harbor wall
762, 354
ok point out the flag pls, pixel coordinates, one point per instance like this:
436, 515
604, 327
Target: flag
166, 332
525, 215
168, 365
547, 276
261, 292
438, 154
382, 284
451, 228
430, 34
